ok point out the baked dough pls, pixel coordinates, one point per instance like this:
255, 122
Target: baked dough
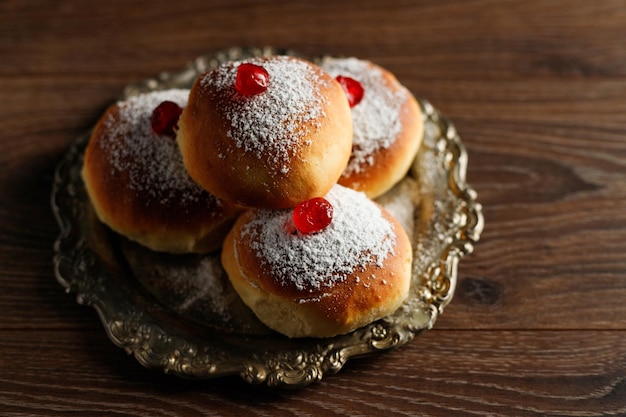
138, 185
353, 272
270, 150
387, 125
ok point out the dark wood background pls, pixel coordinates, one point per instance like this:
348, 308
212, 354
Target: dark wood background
537, 90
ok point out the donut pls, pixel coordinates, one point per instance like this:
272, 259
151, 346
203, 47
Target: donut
387, 124
352, 272
274, 147
137, 183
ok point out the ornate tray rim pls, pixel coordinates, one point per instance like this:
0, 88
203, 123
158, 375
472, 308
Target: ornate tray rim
160, 345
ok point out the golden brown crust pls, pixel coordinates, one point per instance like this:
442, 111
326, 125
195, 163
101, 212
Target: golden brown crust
391, 164
185, 221
246, 178
386, 165
369, 293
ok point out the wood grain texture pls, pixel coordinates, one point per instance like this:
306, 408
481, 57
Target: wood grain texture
537, 90
527, 373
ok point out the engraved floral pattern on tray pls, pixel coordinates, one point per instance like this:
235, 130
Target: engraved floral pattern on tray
444, 219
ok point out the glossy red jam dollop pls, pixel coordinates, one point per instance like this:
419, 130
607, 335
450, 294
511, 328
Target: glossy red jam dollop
313, 215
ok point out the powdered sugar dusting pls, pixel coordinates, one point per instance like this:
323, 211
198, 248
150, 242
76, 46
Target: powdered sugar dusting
376, 119
402, 202
358, 235
199, 285
152, 162
275, 121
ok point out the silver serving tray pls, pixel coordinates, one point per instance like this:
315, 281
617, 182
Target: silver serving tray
174, 328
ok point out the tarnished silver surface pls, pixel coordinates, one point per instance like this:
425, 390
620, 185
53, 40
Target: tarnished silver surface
104, 270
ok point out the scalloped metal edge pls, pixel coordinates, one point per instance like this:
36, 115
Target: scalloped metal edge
155, 347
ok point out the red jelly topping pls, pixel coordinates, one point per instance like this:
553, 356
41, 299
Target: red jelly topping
164, 119
353, 89
251, 79
313, 215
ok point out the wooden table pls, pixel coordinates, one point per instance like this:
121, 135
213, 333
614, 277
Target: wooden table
537, 90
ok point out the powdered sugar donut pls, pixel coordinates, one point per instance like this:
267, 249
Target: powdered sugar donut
387, 125
354, 271
279, 145
138, 185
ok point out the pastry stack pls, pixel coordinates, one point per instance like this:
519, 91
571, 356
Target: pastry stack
275, 162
